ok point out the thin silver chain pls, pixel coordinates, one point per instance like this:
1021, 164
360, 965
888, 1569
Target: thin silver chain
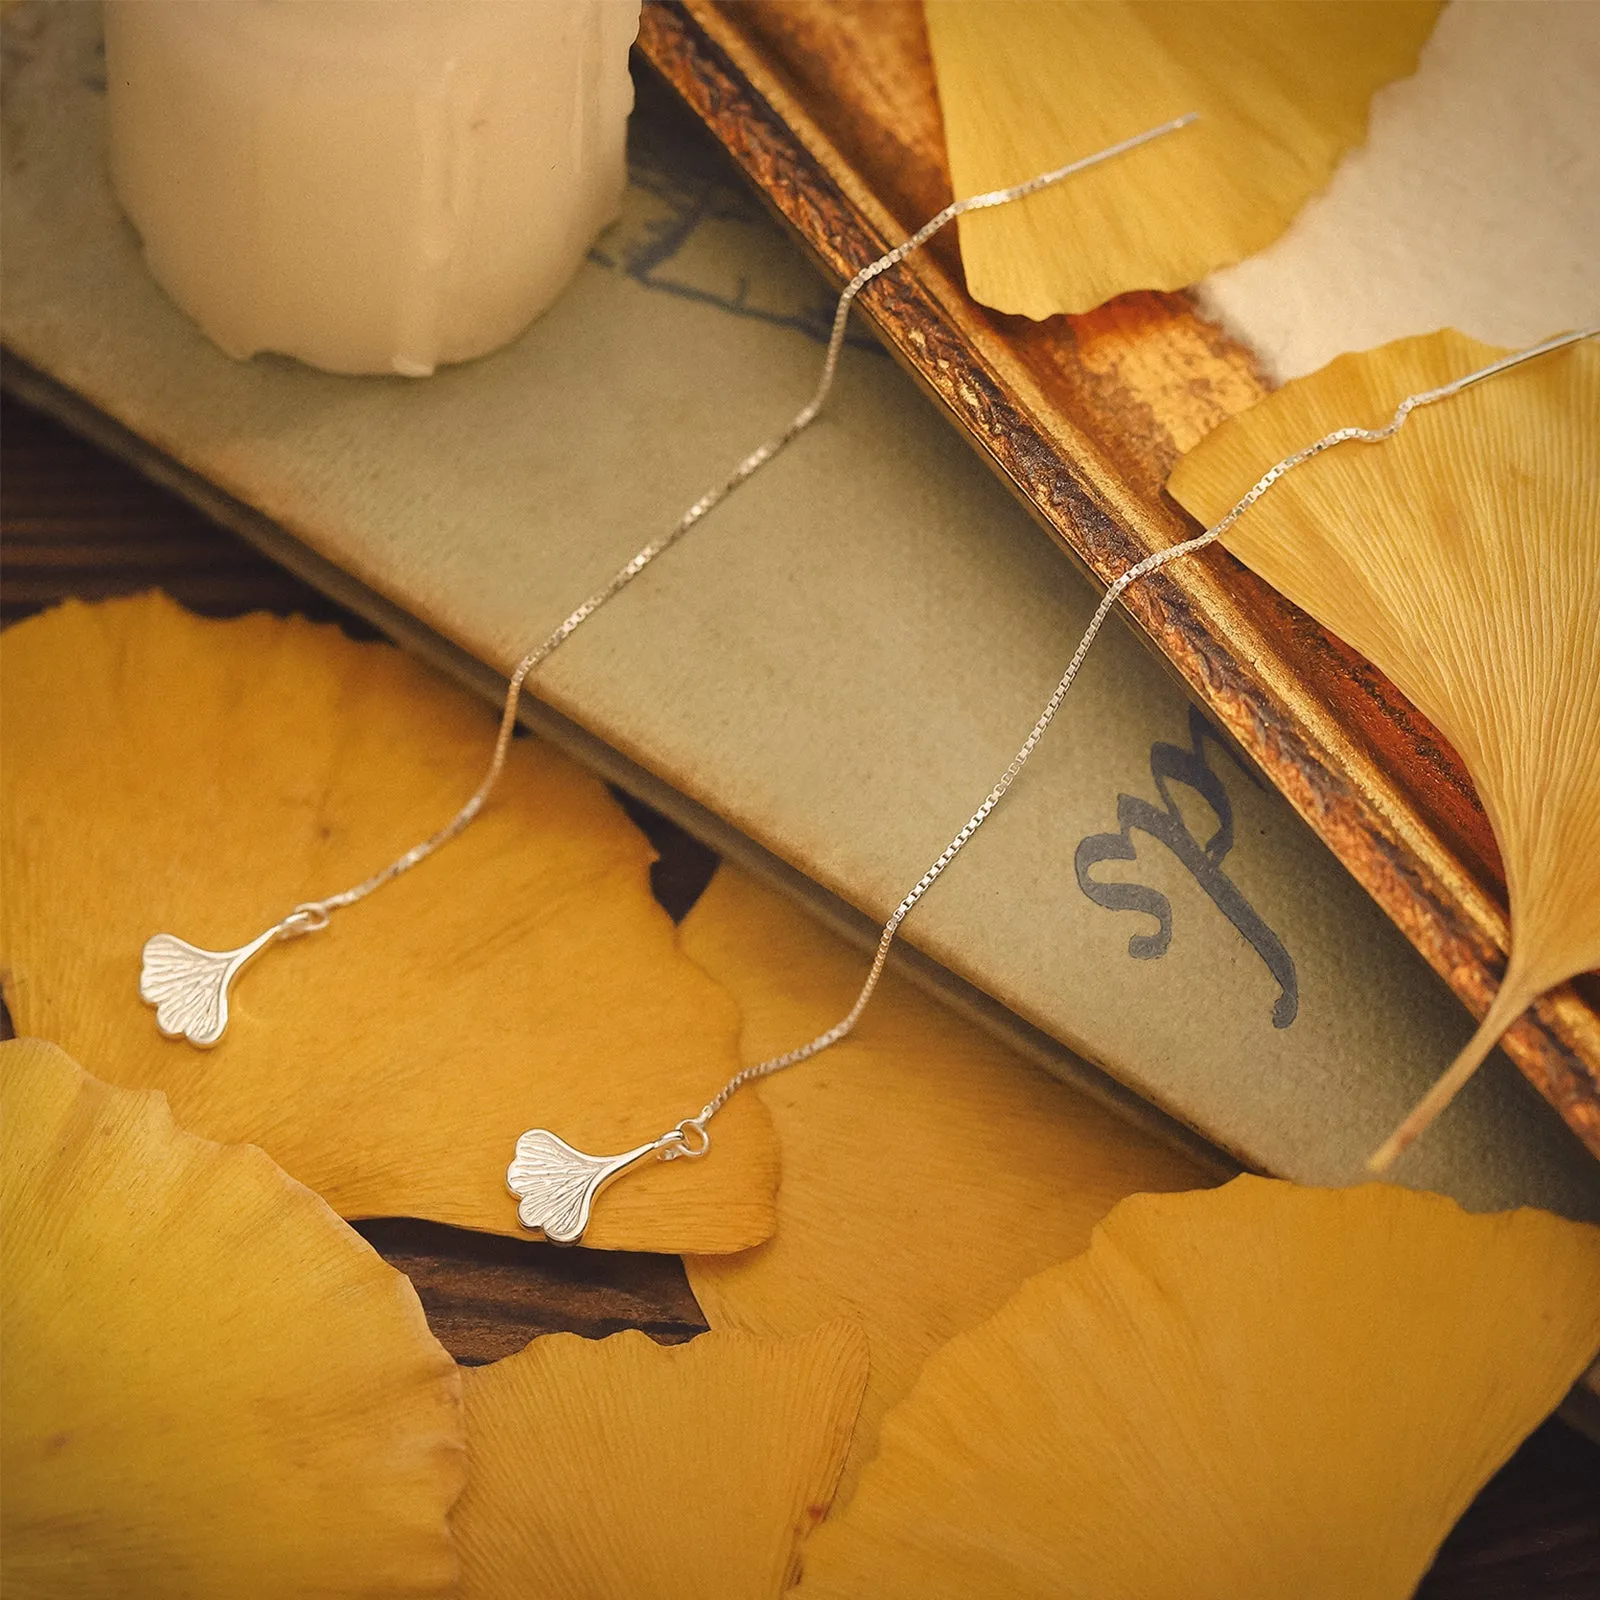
690, 1138
311, 916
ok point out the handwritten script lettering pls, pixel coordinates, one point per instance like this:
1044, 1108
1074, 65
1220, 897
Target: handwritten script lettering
1171, 765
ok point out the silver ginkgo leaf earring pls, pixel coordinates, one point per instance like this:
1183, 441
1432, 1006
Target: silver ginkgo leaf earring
556, 1184
189, 986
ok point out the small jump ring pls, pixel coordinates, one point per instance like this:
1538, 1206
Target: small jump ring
689, 1139
696, 1141
310, 916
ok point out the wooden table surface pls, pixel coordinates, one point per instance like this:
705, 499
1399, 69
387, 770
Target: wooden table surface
74, 521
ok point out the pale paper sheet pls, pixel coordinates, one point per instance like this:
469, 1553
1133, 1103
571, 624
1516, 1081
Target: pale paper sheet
1474, 204
838, 662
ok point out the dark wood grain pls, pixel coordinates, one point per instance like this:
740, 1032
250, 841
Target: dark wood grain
831, 111
74, 522
1534, 1530
486, 1296
73, 527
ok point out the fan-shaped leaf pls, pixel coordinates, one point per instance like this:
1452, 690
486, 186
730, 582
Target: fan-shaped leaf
1462, 556
1282, 91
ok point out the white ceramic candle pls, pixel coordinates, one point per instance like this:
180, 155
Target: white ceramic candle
369, 185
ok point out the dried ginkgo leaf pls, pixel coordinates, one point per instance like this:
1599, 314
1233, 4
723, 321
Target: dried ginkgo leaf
927, 1169
622, 1467
211, 1385
1282, 90
162, 771
1462, 556
1259, 1390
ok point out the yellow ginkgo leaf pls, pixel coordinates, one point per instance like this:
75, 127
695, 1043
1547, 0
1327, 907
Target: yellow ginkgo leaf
1256, 1391
1281, 86
927, 1169
163, 772
1462, 556
626, 1468
212, 1387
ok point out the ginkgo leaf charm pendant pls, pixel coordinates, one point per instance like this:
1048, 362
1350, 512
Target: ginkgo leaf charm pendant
556, 1184
188, 986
